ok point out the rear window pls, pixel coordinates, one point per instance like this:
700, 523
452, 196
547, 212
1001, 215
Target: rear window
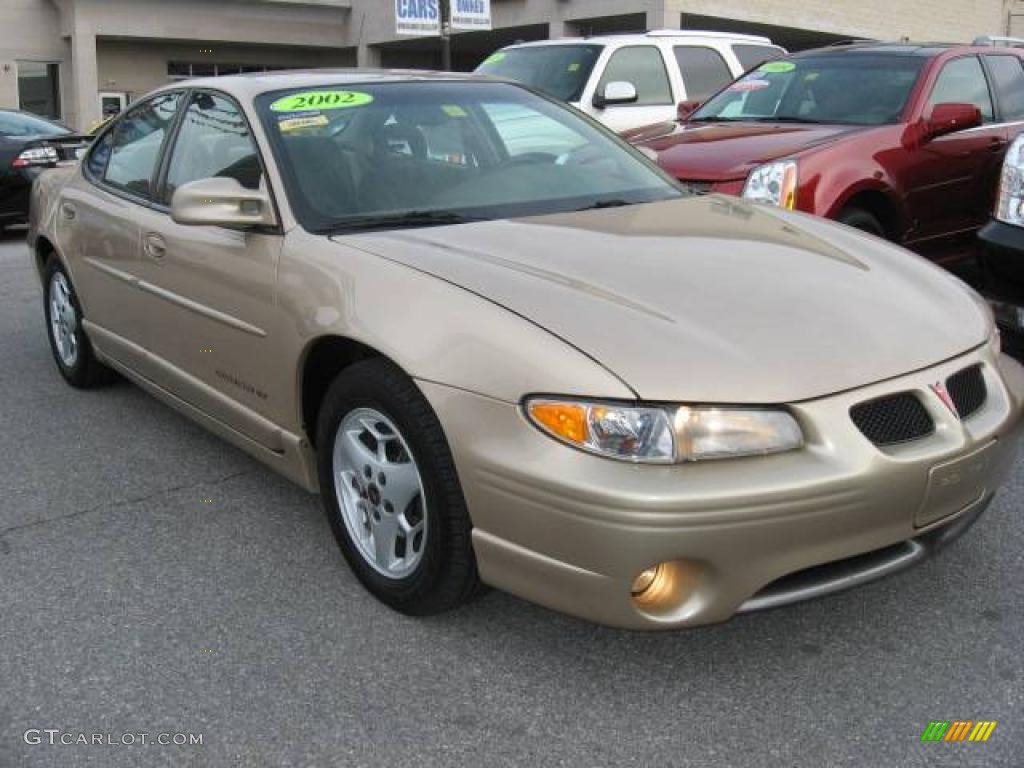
559, 70
24, 124
751, 56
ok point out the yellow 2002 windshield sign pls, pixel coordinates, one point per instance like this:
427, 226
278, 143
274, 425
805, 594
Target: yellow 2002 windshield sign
310, 100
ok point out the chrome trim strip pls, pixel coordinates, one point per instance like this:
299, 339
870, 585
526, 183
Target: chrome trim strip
201, 309
111, 271
906, 555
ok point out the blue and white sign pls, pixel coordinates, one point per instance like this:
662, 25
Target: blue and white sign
417, 17
471, 14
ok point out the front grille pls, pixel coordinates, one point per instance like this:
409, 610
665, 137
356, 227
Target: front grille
893, 419
968, 390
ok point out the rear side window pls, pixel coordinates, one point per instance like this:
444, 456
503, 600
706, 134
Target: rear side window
1008, 81
138, 137
643, 66
751, 56
703, 69
213, 141
963, 81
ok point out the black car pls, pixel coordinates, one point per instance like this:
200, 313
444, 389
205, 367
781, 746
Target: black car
29, 144
1002, 250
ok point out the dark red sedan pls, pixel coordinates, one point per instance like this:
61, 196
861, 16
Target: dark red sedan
901, 140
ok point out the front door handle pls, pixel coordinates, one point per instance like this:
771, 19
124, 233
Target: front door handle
154, 246
67, 211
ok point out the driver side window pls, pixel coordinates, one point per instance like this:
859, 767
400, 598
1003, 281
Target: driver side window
213, 141
963, 81
644, 67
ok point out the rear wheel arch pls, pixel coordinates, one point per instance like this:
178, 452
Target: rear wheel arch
43, 251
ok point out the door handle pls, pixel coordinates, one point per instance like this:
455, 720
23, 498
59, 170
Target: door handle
997, 145
67, 211
154, 246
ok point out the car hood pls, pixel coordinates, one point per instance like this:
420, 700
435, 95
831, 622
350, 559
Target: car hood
736, 148
708, 299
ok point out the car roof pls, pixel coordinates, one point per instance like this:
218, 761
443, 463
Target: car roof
632, 38
251, 84
922, 50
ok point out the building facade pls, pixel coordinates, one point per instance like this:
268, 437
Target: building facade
79, 60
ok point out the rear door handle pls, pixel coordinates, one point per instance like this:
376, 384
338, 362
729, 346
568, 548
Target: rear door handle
997, 145
154, 246
67, 211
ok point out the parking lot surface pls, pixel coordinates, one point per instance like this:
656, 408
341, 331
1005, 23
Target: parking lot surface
156, 580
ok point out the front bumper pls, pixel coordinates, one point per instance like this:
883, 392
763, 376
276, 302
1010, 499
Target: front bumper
572, 531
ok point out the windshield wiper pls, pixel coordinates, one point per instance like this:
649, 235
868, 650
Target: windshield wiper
613, 203
407, 220
791, 119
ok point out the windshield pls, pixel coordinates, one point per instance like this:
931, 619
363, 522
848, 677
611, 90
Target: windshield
393, 154
560, 70
847, 89
24, 124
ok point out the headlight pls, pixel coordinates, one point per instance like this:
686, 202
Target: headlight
1010, 206
773, 183
665, 434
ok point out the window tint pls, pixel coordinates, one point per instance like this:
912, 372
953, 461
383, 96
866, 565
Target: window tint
703, 69
963, 81
751, 56
137, 140
561, 70
99, 155
642, 66
1008, 80
213, 141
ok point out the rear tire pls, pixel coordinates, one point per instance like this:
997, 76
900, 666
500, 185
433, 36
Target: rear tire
860, 219
391, 493
72, 351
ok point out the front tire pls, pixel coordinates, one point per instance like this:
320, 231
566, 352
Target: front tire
391, 493
860, 219
72, 351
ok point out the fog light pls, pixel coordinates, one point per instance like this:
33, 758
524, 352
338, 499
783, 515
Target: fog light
646, 580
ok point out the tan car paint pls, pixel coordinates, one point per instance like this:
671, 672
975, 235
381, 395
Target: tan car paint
703, 299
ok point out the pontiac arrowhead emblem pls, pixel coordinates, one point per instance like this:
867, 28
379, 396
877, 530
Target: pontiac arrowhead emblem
943, 394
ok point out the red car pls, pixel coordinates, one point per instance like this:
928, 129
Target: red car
904, 141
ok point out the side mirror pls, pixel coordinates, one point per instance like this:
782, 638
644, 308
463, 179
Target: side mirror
950, 117
616, 92
222, 202
686, 108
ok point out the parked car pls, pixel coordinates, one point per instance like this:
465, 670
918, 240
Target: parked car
903, 141
554, 372
1002, 253
626, 81
28, 145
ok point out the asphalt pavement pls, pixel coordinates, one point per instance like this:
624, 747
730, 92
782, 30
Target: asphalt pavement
154, 580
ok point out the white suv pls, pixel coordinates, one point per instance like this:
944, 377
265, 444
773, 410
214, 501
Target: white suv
626, 81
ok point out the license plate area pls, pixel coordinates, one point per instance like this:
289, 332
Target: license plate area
956, 485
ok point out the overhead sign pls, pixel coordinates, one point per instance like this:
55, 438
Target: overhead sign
423, 17
417, 17
471, 14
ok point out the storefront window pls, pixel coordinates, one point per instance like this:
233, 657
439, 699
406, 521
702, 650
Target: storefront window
38, 88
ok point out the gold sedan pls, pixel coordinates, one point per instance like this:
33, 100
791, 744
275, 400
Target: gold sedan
506, 349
